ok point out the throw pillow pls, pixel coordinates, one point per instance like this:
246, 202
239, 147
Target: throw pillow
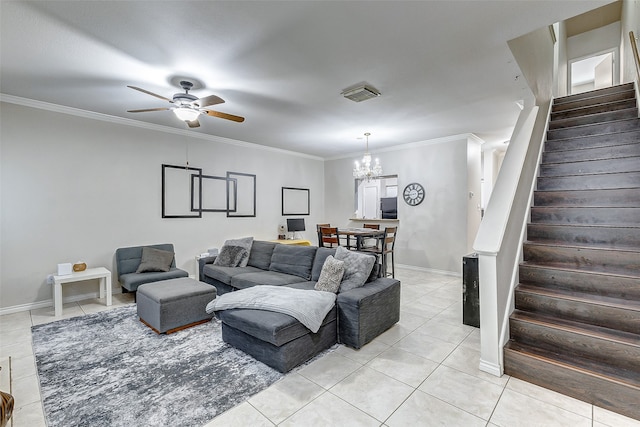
357, 267
155, 260
331, 275
234, 253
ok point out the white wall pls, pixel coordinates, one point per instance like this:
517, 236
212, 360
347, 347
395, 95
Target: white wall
594, 42
76, 188
434, 234
630, 21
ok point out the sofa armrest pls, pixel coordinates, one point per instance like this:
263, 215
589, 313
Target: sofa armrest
202, 262
367, 311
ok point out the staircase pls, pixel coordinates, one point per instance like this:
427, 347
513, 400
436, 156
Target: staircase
576, 324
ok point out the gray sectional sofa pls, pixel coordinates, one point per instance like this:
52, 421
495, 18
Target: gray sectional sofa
362, 313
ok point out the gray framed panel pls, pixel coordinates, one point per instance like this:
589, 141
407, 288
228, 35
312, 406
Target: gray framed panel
178, 189
245, 192
295, 201
214, 193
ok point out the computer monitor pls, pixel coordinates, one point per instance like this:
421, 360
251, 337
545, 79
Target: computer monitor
295, 224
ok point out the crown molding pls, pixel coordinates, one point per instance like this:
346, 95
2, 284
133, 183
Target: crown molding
470, 137
41, 105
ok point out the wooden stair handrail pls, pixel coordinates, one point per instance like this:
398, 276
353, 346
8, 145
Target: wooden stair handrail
634, 49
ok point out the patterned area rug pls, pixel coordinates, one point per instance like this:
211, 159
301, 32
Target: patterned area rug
108, 369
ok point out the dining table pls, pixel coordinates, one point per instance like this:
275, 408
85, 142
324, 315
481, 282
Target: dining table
360, 234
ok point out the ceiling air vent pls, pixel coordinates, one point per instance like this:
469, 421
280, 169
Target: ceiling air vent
360, 93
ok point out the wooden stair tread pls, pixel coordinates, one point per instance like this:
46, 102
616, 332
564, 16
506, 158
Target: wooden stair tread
626, 378
614, 335
604, 274
604, 105
593, 299
557, 123
574, 246
623, 87
559, 141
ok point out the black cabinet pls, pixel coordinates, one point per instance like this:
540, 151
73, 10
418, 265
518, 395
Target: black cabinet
470, 291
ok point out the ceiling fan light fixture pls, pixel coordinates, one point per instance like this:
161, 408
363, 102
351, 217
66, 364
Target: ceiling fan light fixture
186, 114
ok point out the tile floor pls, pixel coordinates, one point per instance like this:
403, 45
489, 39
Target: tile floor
422, 372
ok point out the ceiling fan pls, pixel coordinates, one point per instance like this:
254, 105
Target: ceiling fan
188, 107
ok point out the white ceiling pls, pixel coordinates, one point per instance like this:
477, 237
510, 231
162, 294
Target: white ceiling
443, 67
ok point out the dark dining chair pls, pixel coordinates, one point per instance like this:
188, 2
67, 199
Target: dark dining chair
370, 243
318, 227
384, 249
329, 237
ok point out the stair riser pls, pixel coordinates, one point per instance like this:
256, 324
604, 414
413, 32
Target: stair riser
595, 129
586, 216
591, 389
595, 141
625, 87
600, 236
562, 105
589, 198
601, 153
594, 314
595, 109
595, 182
594, 348
626, 164
587, 259
608, 116
583, 281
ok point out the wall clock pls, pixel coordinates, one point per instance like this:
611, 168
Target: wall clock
413, 194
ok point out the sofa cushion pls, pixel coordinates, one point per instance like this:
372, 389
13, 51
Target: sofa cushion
318, 262
247, 280
234, 253
357, 267
155, 260
331, 275
269, 326
131, 281
293, 259
224, 274
261, 252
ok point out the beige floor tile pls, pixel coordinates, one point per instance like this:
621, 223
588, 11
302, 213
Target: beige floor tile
426, 346
445, 331
95, 305
452, 315
26, 390
420, 309
373, 392
472, 340
5, 374
22, 349
364, 354
394, 334
241, 415
411, 321
15, 336
23, 367
439, 302
421, 409
449, 291
285, 397
30, 415
329, 370
329, 410
612, 419
46, 315
548, 396
403, 366
517, 410
467, 392
9, 322
467, 360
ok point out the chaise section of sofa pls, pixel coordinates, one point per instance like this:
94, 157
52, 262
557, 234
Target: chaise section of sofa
363, 313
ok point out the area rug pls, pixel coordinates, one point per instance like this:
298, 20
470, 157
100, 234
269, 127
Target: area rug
108, 369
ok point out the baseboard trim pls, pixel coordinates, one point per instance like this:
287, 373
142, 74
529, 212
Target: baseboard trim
491, 368
49, 303
429, 270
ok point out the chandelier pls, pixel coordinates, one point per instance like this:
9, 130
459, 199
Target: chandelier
365, 170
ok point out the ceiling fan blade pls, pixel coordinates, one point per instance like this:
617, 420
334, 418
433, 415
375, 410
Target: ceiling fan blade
209, 100
193, 124
225, 116
150, 93
144, 110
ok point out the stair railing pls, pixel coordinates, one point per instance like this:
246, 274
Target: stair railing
502, 231
634, 49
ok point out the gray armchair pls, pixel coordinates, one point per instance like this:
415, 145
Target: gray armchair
128, 260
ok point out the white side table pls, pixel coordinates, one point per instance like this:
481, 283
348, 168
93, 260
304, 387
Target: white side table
90, 273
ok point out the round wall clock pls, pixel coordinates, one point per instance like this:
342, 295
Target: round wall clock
413, 194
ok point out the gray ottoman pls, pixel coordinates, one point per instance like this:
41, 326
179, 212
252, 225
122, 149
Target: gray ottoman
170, 305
